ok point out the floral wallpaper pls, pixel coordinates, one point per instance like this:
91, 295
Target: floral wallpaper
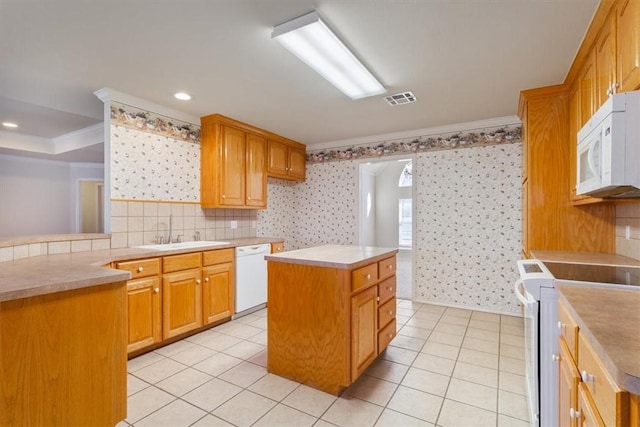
468, 226
148, 166
482, 137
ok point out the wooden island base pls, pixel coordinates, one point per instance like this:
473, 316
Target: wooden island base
328, 321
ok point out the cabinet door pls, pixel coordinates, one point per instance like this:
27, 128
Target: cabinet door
568, 380
217, 292
278, 159
232, 167
628, 42
605, 62
144, 311
574, 126
587, 414
297, 163
182, 302
586, 82
364, 331
256, 176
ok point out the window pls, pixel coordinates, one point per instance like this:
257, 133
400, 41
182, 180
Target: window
406, 176
404, 216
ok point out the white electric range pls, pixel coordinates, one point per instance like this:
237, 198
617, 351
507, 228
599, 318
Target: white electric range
536, 291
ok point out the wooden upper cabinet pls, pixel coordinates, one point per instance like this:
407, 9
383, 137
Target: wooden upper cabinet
286, 160
587, 87
235, 161
628, 44
256, 165
232, 167
606, 62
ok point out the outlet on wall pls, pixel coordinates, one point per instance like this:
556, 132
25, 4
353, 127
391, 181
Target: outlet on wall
234, 224
627, 232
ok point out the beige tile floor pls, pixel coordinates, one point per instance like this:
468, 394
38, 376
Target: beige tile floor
447, 367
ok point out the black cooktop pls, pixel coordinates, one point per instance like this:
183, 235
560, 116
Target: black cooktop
595, 273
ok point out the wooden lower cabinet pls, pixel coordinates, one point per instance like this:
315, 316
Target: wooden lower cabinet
63, 358
588, 396
182, 302
144, 300
324, 326
364, 331
177, 294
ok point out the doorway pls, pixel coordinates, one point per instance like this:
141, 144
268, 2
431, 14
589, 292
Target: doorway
91, 206
386, 212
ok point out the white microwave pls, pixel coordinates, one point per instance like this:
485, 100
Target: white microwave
608, 161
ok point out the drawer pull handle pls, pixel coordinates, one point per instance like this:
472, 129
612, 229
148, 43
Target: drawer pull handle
368, 276
197, 281
156, 290
390, 266
206, 279
140, 269
574, 414
555, 357
587, 377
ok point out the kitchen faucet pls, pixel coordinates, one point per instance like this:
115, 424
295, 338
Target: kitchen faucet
170, 239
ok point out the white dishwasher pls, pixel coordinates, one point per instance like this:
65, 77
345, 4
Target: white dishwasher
251, 278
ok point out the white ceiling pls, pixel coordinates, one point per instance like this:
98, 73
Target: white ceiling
465, 60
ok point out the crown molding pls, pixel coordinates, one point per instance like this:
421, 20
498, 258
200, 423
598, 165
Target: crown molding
111, 95
438, 130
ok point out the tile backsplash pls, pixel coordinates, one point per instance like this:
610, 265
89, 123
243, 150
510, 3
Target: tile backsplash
628, 215
135, 223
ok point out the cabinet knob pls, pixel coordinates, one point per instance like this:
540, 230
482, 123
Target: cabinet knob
587, 377
574, 414
368, 276
224, 197
206, 280
197, 281
390, 288
248, 198
140, 269
555, 357
390, 266
561, 326
156, 290
390, 312
378, 299
390, 335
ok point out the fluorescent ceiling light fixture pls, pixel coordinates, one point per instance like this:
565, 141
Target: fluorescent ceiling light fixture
308, 38
9, 125
182, 96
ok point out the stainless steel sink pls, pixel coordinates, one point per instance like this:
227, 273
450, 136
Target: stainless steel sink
182, 245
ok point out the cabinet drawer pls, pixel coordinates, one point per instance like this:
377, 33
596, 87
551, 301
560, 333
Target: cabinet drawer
387, 267
276, 248
386, 312
387, 289
181, 262
386, 335
217, 257
612, 402
568, 329
364, 276
141, 268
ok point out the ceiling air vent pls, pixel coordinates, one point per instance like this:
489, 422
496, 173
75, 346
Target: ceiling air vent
401, 98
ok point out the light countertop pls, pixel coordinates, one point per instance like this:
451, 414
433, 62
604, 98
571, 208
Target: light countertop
585, 258
610, 321
334, 256
47, 274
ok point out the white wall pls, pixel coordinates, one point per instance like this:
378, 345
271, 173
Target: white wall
367, 207
35, 197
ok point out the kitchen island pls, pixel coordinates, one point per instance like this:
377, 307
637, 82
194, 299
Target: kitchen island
331, 311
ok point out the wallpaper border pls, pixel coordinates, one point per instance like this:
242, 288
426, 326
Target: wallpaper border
451, 141
146, 121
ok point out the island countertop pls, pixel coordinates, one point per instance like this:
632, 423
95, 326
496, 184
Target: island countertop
610, 320
334, 256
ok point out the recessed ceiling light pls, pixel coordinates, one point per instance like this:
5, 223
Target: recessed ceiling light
182, 96
9, 125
